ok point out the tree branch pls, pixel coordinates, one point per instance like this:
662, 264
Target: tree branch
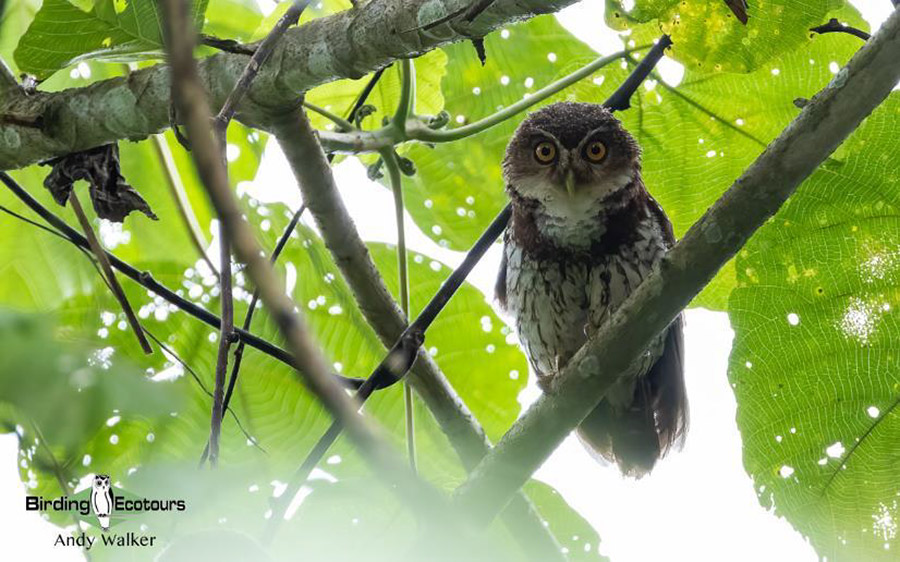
259, 58
220, 125
316, 182
373, 141
108, 273
834, 26
822, 125
7, 78
146, 280
620, 100
396, 180
190, 99
248, 320
349, 44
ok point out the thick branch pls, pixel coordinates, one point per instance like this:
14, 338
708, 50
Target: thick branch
313, 173
823, 124
349, 44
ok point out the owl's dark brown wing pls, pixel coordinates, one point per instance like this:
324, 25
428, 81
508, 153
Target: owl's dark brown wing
667, 391
500, 285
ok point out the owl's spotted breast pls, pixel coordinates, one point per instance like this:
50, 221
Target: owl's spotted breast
584, 234
557, 293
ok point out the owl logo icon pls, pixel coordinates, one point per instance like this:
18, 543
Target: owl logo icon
102, 499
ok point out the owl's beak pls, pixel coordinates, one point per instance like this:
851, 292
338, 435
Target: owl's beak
570, 183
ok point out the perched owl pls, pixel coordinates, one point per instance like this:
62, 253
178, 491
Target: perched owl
102, 499
583, 235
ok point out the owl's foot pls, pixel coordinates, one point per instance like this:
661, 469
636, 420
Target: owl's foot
545, 383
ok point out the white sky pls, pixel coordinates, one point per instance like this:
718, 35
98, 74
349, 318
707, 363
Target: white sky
698, 504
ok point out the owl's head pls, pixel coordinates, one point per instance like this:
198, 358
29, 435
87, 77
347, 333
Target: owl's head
570, 153
101, 482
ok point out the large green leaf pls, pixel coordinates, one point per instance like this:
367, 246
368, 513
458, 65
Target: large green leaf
63, 33
697, 137
708, 37
814, 365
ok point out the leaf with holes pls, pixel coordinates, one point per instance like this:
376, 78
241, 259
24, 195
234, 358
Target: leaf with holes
708, 37
814, 365
697, 137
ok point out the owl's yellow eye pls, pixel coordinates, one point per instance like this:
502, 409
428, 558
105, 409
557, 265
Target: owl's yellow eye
595, 151
545, 152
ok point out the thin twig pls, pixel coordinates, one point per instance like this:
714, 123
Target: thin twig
342, 123
620, 100
171, 353
396, 181
259, 58
406, 107
146, 280
834, 26
109, 273
227, 45
364, 94
248, 319
226, 331
7, 78
179, 196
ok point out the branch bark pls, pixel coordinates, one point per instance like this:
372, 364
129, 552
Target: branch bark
349, 44
320, 194
760, 191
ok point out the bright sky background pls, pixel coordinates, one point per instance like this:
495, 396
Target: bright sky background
698, 504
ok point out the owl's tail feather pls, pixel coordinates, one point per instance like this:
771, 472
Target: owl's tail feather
628, 439
655, 421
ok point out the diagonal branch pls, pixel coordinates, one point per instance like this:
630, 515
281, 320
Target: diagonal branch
349, 44
220, 125
248, 320
313, 173
191, 100
108, 274
823, 124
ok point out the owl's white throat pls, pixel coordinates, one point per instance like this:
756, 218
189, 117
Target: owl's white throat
572, 220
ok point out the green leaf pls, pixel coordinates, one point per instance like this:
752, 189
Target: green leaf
814, 365
708, 37
697, 138
233, 19
63, 34
574, 534
63, 394
339, 97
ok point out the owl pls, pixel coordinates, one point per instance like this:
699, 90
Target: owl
584, 233
102, 499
